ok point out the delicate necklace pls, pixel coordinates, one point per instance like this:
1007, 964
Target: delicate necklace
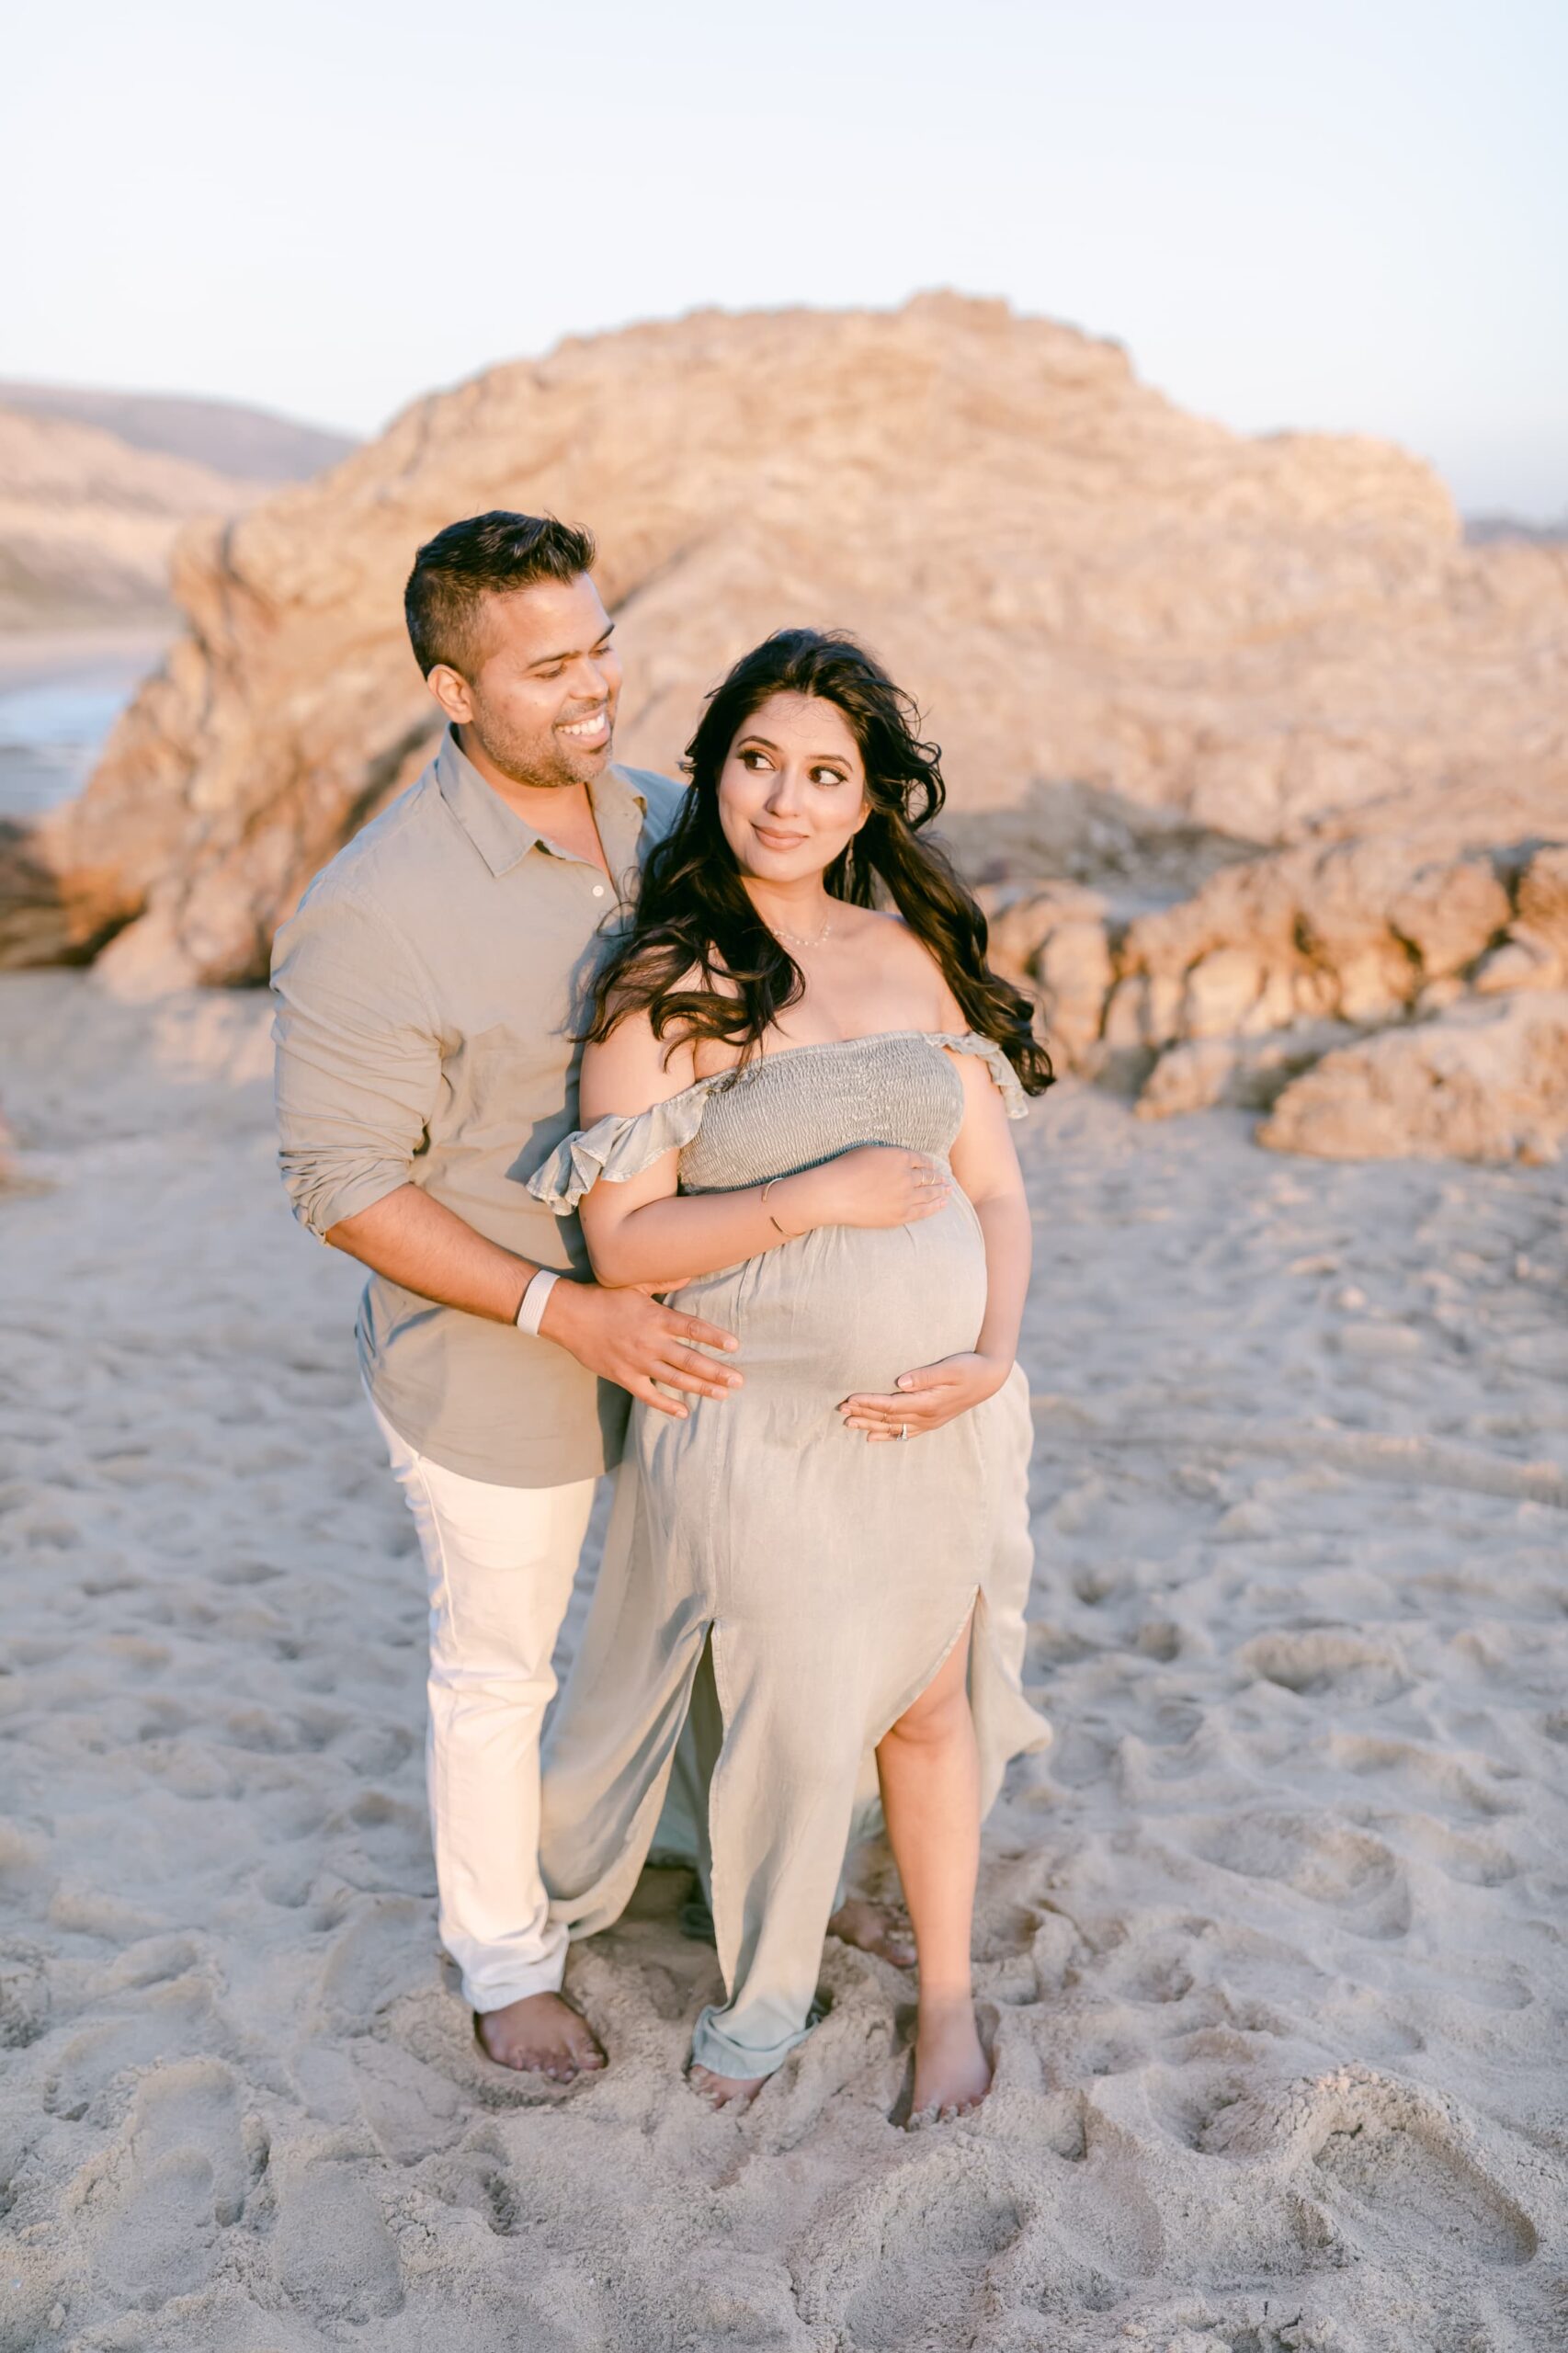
802, 938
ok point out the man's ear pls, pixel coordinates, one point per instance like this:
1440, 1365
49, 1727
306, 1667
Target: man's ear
451, 689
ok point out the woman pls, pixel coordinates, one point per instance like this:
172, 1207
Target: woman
797, 1108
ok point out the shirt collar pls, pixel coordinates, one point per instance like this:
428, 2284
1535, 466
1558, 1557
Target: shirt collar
503, 838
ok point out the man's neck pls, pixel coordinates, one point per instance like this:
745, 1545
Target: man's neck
563, 813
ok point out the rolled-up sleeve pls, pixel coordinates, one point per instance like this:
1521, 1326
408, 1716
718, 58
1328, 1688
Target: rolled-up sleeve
357, 1060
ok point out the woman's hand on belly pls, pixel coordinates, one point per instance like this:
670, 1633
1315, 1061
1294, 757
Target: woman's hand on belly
923, 1400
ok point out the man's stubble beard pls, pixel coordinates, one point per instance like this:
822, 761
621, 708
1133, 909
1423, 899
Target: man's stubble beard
547, 765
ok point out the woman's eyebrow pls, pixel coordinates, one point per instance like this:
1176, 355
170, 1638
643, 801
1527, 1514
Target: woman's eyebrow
817, 759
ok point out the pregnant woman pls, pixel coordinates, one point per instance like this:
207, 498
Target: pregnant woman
799, 1107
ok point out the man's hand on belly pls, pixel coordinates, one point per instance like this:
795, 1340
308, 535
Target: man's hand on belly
627, 1337
924, 1399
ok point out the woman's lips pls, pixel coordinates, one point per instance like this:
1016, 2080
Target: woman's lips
771, 840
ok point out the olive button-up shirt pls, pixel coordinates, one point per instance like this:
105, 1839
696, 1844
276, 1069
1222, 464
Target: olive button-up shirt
428, 991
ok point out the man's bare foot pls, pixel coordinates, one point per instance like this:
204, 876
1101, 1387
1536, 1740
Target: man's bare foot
539, 2035
874, 1929
952, 2074
723, 2091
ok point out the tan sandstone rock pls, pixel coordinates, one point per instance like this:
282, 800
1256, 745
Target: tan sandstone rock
1246, 1073
1524, 959
1356, 930
1488, 1081
1265, 635
1543, 897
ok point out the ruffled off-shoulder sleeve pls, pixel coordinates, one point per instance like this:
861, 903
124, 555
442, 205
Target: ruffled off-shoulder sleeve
616, 1148
970, 1042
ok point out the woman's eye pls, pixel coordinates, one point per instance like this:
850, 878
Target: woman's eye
826, 776
754, 760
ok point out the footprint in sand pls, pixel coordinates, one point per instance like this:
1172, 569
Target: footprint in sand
382, 1844
332, 2252
1400, 2181
24, 1993
152, 2207
922, 2242
151, 1960
386, 1950
1427, 1775
1325, 1660
1328, 1861
88, 2062
1191, 2102
1106, 2221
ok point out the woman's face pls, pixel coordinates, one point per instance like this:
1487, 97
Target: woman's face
793, 792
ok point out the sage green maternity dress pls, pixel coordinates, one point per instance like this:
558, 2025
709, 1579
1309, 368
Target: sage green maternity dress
826, 1579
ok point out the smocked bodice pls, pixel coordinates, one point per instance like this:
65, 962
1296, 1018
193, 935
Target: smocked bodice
785, 1111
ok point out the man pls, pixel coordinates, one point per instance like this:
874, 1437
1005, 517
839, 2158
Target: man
428, 991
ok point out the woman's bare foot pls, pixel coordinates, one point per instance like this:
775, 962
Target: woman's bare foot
539, 2035
952, 2074
723, 2091
874, 1929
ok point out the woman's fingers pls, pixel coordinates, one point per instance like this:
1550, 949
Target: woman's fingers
902, 1406
932, 1187
876, 1426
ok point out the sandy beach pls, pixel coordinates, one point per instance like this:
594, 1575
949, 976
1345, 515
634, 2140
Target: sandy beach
1271, 1942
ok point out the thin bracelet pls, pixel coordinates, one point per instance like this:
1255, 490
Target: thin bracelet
772, 1221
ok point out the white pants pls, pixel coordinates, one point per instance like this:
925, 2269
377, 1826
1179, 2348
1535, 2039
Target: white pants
500, 1562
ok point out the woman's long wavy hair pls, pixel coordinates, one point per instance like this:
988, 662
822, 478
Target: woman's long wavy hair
693, 914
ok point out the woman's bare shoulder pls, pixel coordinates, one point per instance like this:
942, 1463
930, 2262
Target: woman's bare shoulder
632, 1069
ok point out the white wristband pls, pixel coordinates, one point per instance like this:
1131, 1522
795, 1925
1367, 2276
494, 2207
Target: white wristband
531, 1307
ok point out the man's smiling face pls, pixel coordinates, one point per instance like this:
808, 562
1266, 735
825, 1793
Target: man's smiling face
541, 695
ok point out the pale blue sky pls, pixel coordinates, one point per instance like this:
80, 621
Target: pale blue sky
1352, 213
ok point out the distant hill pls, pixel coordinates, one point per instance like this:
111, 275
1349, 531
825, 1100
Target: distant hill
88, 523
1486, 530
249, 445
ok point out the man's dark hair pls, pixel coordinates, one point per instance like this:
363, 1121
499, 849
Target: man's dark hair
487, 555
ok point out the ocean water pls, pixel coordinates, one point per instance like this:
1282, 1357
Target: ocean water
53, 728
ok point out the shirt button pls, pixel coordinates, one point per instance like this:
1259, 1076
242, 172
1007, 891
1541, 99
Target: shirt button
598, 889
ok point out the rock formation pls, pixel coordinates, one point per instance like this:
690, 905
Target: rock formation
1079, 581
1227, 995
1488, 1081
1281, 743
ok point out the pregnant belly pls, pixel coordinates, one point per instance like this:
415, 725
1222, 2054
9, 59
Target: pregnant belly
850, 1308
